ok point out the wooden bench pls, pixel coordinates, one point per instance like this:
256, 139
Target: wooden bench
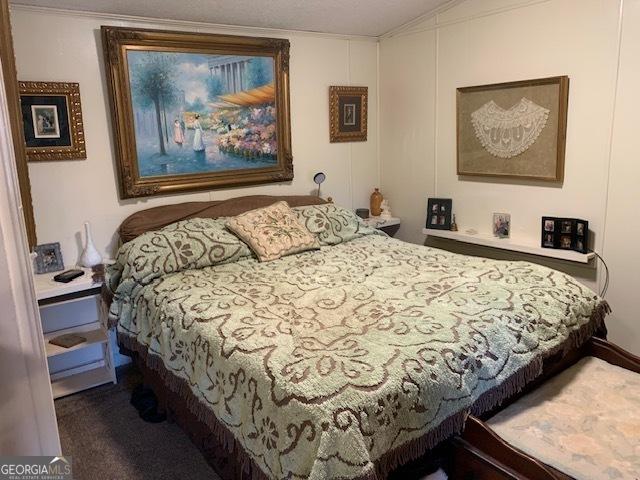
480, 453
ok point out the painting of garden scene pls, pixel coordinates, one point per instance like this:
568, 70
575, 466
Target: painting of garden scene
197, 113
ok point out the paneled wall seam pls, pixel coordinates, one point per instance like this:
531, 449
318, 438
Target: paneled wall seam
611, 135
378, 157
436, 130
350, 143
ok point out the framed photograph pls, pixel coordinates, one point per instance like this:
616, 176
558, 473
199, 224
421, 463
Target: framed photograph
52, 121
513, 130
439, 212
48, 258
549, 225
348, 114
501, 225
566, 226
195, 111
565, 233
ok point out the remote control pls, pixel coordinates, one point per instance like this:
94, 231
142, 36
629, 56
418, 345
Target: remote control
66, 277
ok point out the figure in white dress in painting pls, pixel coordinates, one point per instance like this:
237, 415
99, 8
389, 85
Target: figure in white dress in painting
198, 144
178, 136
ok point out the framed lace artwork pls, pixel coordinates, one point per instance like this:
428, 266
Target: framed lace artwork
513, 130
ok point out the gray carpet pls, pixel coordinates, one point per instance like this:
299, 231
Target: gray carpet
107, 440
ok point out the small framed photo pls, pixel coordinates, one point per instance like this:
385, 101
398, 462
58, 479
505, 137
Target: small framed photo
49, 258
501, 225
565, 242
52, 121
348, 114
548, 240
439, 213
580, 229
549, 225
45, 121
566, 226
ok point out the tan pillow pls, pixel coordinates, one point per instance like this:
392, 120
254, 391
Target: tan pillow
273, 232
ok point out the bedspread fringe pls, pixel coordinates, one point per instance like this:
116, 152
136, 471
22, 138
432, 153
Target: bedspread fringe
199, 409
514, 384
407, 452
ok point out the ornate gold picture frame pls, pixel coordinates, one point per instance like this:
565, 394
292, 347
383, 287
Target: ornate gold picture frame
52, 121
513, 130
348, 114
195, 111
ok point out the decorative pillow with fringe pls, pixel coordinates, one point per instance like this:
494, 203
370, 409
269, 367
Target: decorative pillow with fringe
273, 232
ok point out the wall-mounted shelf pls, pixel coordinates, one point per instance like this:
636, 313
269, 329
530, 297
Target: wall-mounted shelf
509, 244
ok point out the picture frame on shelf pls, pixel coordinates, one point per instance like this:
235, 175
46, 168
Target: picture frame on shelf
439, 213
48, 258
52, 121
565, 234
501, 225
348, 114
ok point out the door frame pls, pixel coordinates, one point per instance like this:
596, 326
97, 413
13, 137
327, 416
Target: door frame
27, 417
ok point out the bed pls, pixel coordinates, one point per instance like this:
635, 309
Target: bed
343, 362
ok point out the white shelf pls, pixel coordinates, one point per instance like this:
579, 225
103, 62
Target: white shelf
46, 287
81, 381
508, 244
93, 333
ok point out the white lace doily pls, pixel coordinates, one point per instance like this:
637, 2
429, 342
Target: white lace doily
507, 133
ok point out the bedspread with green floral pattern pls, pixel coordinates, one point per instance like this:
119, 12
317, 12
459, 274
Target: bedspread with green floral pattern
344, 361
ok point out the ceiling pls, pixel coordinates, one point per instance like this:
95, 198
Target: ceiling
350, 17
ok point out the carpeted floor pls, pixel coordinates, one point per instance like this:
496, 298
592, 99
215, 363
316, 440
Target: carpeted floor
107, 440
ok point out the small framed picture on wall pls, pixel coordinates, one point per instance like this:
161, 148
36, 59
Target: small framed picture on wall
439, 213
52, 121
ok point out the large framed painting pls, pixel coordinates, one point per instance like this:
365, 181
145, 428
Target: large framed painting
52, 121
348, 114
513, 130
195, 111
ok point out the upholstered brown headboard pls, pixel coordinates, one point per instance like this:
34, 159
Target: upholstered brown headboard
158, 217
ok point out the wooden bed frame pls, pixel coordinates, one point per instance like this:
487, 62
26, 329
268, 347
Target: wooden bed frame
480, 454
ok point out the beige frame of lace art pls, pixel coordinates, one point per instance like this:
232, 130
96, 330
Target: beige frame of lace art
513, 130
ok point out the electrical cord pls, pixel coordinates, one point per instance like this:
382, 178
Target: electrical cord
606, 271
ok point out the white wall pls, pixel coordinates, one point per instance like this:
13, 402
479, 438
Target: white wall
622, 231
479, 42
67, 193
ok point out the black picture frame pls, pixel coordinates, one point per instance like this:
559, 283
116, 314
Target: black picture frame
439, 213
565, 234
49, 258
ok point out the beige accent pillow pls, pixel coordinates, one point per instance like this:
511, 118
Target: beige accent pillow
273, 232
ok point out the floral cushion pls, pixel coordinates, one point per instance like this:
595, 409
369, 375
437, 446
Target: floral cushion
333, 224
272, 232
584, 422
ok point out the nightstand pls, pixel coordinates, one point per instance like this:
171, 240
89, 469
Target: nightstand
390, 226
74, 307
